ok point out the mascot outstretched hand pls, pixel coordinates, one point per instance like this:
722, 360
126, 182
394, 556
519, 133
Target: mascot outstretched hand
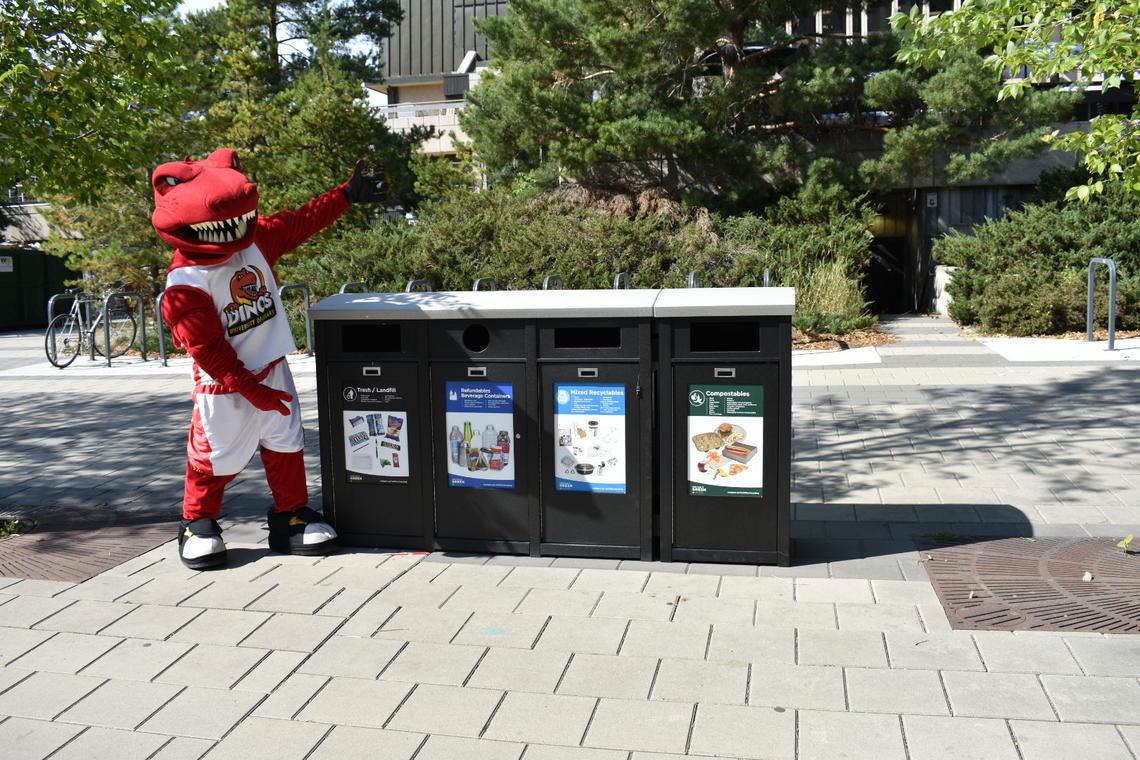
222, 305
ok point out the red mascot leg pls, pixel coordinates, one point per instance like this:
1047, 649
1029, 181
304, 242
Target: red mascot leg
203, 496
285, 472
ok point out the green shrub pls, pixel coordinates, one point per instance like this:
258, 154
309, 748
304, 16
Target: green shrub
1026, 274
817, 245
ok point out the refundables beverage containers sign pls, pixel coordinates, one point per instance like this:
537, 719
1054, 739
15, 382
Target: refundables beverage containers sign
726, 434
375, 445
589, 423
479, 426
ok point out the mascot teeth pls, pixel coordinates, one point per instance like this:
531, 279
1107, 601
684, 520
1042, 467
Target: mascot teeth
223, 230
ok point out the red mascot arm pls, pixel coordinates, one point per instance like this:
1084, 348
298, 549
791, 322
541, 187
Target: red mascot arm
195, 326
282, 232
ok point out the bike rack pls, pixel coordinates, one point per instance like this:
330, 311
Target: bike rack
488, 281
53, 299
622, 281
1111, 264
160, 323
107, 321
552, 282
413, 284
308, 322
351, 287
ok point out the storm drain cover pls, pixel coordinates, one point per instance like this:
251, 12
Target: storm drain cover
69, 544
1034, 584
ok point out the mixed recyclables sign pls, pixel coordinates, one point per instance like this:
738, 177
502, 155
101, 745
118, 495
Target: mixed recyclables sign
589, 423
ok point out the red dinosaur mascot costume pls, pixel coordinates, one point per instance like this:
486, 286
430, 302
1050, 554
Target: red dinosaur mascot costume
222, 305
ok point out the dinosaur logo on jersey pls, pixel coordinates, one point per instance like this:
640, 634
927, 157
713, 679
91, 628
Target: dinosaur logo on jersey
252, 302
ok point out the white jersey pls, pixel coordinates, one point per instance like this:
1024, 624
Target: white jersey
244, 291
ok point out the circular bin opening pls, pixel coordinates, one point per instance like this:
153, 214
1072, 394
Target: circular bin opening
476, 338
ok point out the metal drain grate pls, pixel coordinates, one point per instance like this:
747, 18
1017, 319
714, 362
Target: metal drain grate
1018, 584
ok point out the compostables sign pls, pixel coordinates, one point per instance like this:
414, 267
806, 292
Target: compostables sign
725, 440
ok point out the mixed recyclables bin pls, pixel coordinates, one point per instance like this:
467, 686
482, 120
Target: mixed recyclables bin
525, 421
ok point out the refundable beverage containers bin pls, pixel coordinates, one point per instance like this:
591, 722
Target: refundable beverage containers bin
592, 423
725, 371
526, 415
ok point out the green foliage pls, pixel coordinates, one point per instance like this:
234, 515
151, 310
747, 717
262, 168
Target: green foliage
663, 94
10, 528
83, 84
1043, 41
1026, 274
808, 243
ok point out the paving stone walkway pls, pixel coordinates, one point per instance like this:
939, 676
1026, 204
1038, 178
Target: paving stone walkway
392, 655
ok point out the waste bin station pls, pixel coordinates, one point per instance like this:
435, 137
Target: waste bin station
628, 424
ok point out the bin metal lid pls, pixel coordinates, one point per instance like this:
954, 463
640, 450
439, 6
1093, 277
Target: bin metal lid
725, 302
488, 304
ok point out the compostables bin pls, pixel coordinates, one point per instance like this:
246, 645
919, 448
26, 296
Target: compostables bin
724, 423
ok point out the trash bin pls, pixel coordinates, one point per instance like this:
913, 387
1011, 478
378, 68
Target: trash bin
724, 423
528, 415
374, 424
482, 397
596, 378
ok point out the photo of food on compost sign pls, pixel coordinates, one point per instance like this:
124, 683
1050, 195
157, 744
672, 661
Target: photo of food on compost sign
479, 421
589, 426
725, 436
376, 445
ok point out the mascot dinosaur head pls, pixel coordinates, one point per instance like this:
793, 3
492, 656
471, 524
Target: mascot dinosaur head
205, 207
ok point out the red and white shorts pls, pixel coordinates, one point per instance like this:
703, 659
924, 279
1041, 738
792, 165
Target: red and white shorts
227, 430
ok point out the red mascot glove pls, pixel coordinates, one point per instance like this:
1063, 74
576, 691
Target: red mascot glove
262, 396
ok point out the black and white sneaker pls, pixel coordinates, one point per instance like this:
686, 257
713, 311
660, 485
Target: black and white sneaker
302, 531
200, 544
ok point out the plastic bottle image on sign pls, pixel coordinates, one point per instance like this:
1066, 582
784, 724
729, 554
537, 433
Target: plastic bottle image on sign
484, 411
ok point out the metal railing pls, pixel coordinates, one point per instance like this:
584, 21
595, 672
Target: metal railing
694, 280
160, 324
422, 110
304, 288
622, 281
413, 284
351, 287
1111, 264
489, 282
552, 282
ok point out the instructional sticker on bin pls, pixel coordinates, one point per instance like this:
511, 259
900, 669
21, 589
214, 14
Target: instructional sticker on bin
725, 440
589, 429
376, 445
480, 429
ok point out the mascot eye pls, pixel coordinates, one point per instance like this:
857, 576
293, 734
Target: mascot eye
237, 163
171, 181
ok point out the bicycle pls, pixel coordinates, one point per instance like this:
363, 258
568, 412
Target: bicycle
76, 331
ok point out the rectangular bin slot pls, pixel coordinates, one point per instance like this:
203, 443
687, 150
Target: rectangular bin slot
476, 372
587, 337
370, 339
724, 372
370, 371
587, 372
724, 336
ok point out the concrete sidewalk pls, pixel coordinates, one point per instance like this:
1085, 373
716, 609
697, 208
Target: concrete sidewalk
375, 654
